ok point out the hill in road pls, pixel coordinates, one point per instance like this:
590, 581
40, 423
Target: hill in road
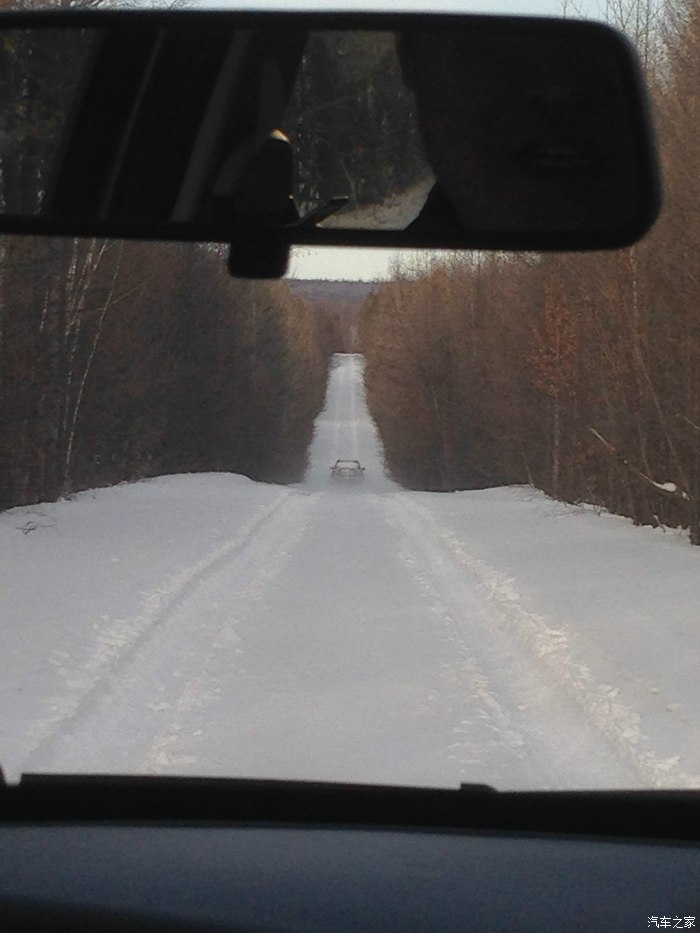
326, 293
337, 305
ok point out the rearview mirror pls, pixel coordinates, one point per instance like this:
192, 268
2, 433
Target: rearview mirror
267, 129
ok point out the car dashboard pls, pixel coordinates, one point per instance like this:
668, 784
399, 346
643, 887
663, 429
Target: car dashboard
278, 856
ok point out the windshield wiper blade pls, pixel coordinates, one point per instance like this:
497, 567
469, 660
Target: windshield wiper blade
650, 814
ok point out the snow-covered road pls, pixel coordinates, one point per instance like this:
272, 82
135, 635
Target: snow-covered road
207, 624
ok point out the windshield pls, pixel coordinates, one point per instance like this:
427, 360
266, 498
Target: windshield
429, 519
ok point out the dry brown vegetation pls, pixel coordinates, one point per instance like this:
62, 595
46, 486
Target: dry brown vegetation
578, 374
123, 360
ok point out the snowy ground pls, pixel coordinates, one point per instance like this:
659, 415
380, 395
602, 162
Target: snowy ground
207, 624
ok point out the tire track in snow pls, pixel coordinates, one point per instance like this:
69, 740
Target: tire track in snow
617, 722
273, 548
481, 723
509, 727
116, 648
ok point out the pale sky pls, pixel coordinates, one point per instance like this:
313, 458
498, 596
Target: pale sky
335, 263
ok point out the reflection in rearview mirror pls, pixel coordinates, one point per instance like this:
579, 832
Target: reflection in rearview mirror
470, 131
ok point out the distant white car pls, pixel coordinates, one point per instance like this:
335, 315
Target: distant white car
347, 470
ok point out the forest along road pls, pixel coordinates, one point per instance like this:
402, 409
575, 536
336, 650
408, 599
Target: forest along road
348, 632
